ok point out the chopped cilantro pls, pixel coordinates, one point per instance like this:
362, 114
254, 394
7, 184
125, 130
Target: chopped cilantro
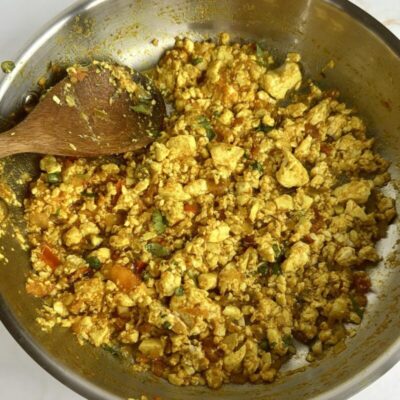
142, 108
277, 251
264, 128
179, 291
264, 345
93, 262
356, 307
154, 134
167, 325
263, 268
276, 269
257, 166
54, 177
157, 250
145, 276
205, 123
88, 194
287, 340
197, 60
112, 350
160, 222
7, 66
260, 54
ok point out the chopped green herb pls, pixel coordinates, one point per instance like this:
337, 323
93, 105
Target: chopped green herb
205, 123
260, 54
112, 350
287, 340
145, 276
142, 108
356, 307
276, 269
264, 128
157, 250
54, 177
145, 97
88, 194
197, 60
167, 325
7, 66
263, 268
210, 134
160, 222
264, 345
179, 291
93, 262
154, 134
257, 166
277, 251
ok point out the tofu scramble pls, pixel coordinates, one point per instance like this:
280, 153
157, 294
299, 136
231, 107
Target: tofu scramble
246, 227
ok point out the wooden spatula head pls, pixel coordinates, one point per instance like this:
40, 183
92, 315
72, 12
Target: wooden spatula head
96, 110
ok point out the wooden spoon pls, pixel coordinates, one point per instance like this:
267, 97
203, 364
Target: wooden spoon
98, 109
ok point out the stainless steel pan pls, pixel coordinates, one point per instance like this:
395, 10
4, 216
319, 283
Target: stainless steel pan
367, 71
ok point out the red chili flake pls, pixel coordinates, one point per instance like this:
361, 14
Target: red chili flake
191, 207
49, 257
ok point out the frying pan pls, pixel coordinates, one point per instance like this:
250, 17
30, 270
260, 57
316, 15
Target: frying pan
367, 59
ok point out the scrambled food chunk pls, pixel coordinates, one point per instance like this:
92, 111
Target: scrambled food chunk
245, 227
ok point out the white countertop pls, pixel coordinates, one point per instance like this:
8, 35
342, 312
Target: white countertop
20, 377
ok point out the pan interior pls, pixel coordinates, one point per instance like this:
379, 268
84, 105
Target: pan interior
122, 30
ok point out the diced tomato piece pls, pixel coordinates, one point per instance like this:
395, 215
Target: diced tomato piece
118, 188
49, 257
140, 265
325, 148
123, 277
68, 161
362, 282
158, 368
191, 207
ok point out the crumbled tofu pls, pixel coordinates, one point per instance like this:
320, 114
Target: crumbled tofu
73, 236
279, 81
197, 187
359, 191
181, 146
168, 283
208, 281
153, 348
248, 222
219, 233
50, 165
292, 172
225, 155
